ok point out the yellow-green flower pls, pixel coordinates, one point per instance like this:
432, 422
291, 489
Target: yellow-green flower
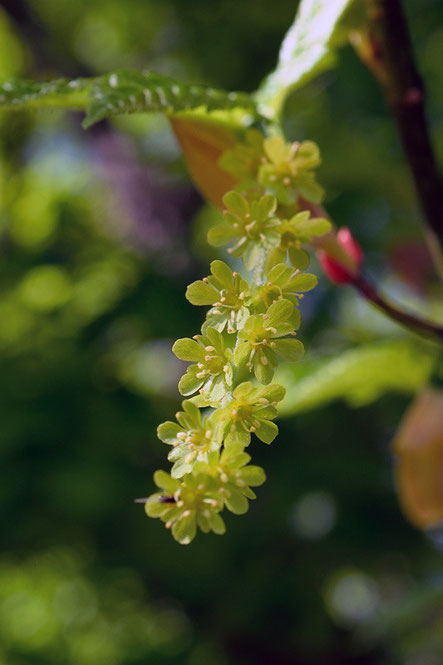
251, 410
287, 170
251, 226
229, 294
283, 282
184, 505
192, 438
211, 371
261, 341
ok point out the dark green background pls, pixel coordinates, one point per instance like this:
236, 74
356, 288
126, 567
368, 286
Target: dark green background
100, 232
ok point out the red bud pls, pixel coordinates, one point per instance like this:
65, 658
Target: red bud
342, 263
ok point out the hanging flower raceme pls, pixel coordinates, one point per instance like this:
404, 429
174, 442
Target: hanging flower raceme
251, 225
261, 342
249, 328
229, 294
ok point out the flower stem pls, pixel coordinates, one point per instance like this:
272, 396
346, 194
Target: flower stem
385, 47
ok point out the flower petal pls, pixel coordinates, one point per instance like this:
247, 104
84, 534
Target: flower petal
220, 235
167, 432
188, 349
189, 382
290, 350
201, 293
184, 529
267, 431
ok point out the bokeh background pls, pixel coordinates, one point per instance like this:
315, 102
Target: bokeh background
100, 231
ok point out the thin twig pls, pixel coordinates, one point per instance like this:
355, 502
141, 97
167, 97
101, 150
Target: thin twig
406, 319
385, 47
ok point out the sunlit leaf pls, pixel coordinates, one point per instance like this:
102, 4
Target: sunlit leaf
308, 47
123, 91
359, 376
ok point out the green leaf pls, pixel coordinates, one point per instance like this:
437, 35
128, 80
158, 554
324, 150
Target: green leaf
307, 50
123, 91
359, 376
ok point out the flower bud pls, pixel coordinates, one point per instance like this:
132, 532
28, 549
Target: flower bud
418, 447
342, 259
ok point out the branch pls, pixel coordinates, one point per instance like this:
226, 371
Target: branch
410, 321
387, 50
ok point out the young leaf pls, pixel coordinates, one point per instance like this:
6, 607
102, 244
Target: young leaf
307, 49
123, 91
359, 376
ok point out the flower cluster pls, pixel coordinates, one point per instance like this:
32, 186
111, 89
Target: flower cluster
249, 328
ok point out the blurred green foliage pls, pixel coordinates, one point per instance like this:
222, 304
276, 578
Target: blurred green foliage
100, 232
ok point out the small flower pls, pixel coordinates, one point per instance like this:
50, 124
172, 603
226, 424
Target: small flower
245, 158
287, 170
301, 228
211, 372
262, 344
184, 505
284, 282
193, 439
235, 477
229, 294
251, 226
251, 410
342, 261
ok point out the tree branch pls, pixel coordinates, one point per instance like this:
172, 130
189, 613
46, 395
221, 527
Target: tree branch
410, 321
386, 49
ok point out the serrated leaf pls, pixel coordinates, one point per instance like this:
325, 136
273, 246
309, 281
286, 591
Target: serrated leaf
359, 376
122, 91
306, 51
